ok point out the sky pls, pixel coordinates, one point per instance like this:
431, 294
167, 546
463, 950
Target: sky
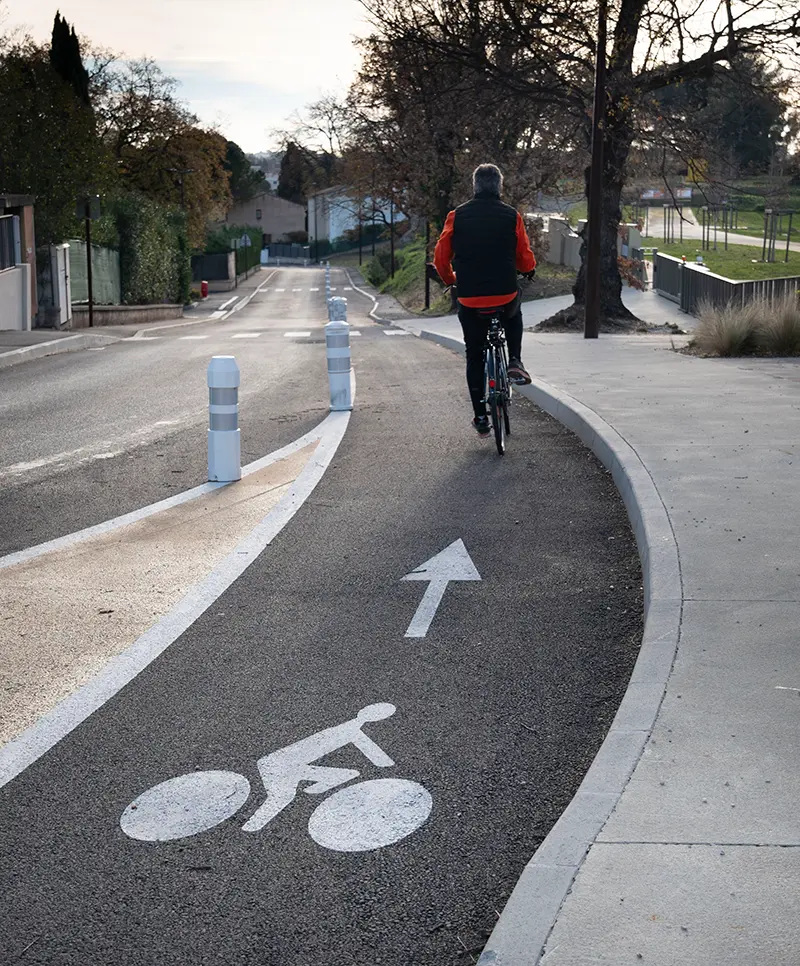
244, 65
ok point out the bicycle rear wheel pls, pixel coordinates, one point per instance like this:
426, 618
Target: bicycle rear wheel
506, 395
496, 401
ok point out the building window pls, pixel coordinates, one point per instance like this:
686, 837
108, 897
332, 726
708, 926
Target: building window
258, 214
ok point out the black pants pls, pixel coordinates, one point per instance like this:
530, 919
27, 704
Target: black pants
475, 327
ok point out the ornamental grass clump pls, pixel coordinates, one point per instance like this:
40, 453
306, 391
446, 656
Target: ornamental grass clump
779, 333
729, 330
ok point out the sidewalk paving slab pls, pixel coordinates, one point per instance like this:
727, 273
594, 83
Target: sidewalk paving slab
692, 854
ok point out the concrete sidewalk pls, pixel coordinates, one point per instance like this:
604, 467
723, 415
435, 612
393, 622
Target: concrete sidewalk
17, 347
682, 845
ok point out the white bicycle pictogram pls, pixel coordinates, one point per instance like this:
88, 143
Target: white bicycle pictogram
367, 815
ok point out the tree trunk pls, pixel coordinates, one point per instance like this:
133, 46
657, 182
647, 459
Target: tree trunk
618, 136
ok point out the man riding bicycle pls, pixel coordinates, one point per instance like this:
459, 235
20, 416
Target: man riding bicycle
486, 243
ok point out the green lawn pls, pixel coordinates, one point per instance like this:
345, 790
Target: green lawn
738, 262
752, 223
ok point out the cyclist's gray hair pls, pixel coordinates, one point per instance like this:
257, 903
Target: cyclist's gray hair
487, 179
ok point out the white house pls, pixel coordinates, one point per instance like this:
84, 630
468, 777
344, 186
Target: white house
333, 211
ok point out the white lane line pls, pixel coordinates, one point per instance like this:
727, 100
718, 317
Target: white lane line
18, 754
280, 289
296, 335
313, 290
395, 332
187, 338
347, 289
297, 290
226, 304
247, 335
333, 288
355, 332
141, 338
252, 295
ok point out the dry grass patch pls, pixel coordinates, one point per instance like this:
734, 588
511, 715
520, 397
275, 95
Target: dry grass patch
728, 330
780, 328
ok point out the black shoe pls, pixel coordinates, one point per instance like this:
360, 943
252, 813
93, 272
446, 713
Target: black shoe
517, 373
481, 425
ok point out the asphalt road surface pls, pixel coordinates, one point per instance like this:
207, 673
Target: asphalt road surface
499, 707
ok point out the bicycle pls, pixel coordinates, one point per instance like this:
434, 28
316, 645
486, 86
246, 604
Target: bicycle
497, 386
364, 816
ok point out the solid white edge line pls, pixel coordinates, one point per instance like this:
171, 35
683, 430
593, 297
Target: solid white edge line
30, 348
365, 294
135, 515
35, 741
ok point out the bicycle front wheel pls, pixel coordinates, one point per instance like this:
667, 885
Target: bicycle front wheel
496, 402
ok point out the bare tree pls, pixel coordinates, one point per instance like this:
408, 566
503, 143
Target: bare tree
541, 55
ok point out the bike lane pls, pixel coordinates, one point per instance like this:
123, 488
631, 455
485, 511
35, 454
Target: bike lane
500, 707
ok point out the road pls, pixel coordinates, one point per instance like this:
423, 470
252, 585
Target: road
492, 704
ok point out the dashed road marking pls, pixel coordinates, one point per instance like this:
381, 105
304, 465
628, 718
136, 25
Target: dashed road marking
226, 304
296, 335
280, 289
395, 332
191, 338
247, 335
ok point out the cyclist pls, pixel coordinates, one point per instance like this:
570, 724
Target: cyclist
486, 243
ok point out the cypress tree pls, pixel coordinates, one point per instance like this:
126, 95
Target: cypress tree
65, 57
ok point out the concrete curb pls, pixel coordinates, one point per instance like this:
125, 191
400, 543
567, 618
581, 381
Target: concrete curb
522, 930
69, 344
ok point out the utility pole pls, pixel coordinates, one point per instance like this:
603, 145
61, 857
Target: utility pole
427, 256
88, 218
391, 228
316, 243
591, 327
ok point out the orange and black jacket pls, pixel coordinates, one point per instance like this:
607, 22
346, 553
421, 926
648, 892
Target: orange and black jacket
485, 242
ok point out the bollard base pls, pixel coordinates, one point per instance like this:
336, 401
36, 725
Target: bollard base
224, 456
341, 393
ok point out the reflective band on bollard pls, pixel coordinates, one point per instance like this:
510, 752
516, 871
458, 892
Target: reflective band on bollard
337, 341
224, 441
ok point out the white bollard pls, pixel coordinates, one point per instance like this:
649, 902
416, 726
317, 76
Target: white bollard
337, 341
224, 440
338, 309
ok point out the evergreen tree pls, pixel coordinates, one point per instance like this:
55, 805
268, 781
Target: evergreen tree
65, 58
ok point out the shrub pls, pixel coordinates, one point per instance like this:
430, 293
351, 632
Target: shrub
779, 333
728, 330
377, 269
154, 252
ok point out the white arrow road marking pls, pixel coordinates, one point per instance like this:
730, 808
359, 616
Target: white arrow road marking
453, 563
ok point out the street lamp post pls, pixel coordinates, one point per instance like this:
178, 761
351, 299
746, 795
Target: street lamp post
180, 172
316, 243
592, 317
